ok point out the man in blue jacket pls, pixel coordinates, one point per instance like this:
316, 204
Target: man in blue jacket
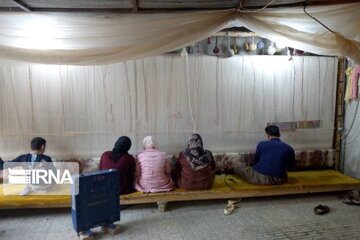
272, 160
34, 158
38, 146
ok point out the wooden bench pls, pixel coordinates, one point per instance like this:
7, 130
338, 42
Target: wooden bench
225, 187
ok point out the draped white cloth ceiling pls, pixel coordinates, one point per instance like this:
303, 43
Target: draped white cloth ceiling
122, 89
87, 39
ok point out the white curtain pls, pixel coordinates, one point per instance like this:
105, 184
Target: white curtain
87, 39
351, 140
82, 110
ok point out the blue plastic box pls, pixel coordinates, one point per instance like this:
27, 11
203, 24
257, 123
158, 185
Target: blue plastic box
98, 200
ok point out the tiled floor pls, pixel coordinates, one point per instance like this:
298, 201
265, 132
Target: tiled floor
270, 218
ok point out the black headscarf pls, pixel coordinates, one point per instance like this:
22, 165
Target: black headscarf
195, 152
121, 147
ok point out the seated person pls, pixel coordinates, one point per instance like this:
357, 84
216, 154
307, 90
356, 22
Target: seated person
124, 163
196, 166
35, 159
121, 160
153, 169
38, 146
272, 159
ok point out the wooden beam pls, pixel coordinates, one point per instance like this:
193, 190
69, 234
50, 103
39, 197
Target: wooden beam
339, 112
235, 34
83, 10
329, 2
22, 5
299, 183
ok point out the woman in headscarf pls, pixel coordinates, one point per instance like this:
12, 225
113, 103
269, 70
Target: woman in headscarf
121, 160
196, 166
153, 169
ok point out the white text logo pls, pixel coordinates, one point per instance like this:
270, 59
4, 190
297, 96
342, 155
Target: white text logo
37, 176
40, 178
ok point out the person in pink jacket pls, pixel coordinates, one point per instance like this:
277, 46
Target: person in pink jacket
153, 169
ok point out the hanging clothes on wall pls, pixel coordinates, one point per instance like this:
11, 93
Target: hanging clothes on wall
355, 80
352, 87
348, 72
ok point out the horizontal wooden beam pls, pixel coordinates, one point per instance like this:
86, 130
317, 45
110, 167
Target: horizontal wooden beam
299, 183
136, 6
235, 34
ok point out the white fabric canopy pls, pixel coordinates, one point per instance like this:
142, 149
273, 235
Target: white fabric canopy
101, 39
82, 110
351, 140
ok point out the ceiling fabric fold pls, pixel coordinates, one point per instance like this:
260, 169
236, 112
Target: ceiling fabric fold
93, 38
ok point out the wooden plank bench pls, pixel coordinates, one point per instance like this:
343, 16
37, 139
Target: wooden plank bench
225, 187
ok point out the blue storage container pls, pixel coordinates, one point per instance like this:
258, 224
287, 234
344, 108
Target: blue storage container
97, 201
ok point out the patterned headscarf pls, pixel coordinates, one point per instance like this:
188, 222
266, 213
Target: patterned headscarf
121, 147
195, 152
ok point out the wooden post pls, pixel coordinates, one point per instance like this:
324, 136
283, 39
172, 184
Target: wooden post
162, 206
339, 110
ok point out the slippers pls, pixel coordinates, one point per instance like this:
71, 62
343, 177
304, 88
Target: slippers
351, 202
231, 206
234, 201
321, 209
229, 209
352, 198
86, 235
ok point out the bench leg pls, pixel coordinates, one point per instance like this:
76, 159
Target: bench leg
232, 204
162, 206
